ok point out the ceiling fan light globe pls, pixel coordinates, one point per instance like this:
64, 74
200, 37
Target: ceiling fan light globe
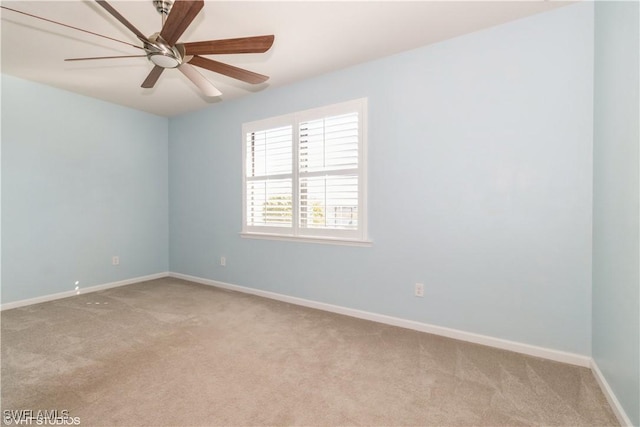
164, 61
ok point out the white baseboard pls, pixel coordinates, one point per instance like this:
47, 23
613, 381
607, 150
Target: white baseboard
610, 395
67, 294
531, 350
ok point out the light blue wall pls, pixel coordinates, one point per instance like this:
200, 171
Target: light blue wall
480, 164
82, 180
616, 215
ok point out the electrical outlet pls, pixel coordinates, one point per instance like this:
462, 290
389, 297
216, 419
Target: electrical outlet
223, 261
115, 260
419, 290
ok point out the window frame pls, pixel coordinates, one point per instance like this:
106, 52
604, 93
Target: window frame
358, 237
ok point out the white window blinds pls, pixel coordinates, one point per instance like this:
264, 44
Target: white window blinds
304, 174
269, 177
328, 172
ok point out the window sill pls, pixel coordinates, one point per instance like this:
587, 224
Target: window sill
308, 239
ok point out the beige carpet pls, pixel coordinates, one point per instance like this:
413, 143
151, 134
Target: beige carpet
170, 352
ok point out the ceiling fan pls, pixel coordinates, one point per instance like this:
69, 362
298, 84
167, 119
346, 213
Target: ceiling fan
164, 51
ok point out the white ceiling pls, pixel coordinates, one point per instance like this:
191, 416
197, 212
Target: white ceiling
311, 38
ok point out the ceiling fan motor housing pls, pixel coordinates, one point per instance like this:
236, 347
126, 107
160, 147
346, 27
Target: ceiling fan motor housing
163, 55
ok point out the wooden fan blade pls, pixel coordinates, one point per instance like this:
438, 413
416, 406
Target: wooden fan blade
70, 26
181, 15
121, 18
105, 57
199, 80
257, 44
152, 78
228, 70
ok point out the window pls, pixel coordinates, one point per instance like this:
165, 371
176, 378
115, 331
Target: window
305, 175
